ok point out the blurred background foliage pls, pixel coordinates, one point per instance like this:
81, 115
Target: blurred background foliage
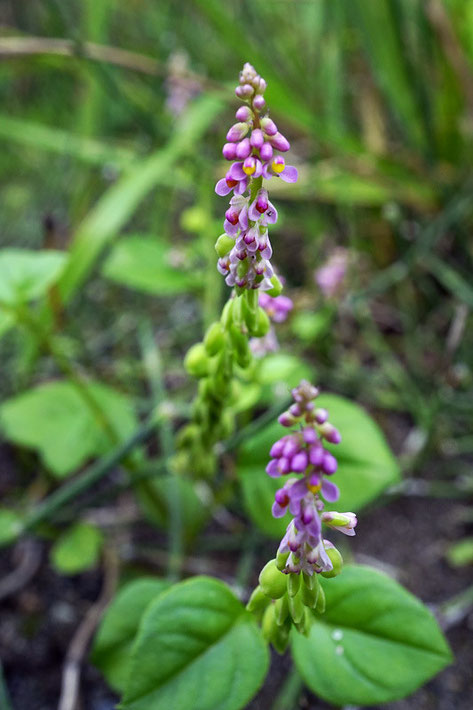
112, 119
377, 99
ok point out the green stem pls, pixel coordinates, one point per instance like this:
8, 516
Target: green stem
289, 692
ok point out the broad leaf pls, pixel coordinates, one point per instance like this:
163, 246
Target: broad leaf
197, 649
26, 275
112, 648
57, 420
145, 264
375, 643
77, 550
366, 465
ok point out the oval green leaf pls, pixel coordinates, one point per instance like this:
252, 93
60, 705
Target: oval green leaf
57, 421
77, 550
375, 643
113, 642
26, 275
197, 649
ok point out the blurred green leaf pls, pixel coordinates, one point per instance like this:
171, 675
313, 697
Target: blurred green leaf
113, 642
10, 526
118, 204
283, 368
77, 550
55, 419
87, 150
26, 275
375, 643
144, 264
215, 656
460, 553
366, 466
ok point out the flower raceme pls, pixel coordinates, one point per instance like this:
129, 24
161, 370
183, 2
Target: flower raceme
253, 145
291, 580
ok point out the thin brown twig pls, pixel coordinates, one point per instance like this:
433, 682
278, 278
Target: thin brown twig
29, 562
83, 635
11, 47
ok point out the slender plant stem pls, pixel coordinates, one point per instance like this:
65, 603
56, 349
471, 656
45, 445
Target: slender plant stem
153, 366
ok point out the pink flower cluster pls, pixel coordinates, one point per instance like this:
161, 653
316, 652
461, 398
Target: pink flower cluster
251, 145
303, 452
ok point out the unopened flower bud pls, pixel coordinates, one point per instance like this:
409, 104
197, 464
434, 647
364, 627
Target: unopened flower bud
329, 432
320, 605
282, 610
259, 102
279, 142
237, 132
266, 152
243, 149
269, 626
244, 113
258, 600
268, 126
320, 415
257, 138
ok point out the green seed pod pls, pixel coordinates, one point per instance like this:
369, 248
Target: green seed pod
280, 639
281, 559
277, 287
214, 339
263, 324
258, 600
223, 245
320, 606
293, 584
296, 608
309, 596
282, 610
196, 361
268, 625
272, 581
337, 561
305, 625
242, 349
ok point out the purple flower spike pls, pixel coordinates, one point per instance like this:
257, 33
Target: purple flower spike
277, 448
310, 435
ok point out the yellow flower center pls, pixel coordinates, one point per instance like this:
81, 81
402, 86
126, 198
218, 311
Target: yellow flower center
249, 169
277, 166
314, 489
